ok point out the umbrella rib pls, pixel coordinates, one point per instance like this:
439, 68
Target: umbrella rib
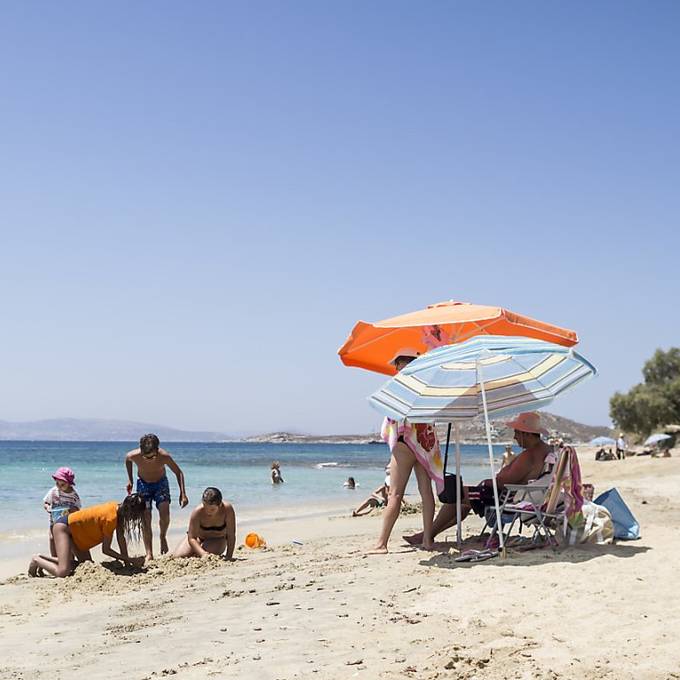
378, 338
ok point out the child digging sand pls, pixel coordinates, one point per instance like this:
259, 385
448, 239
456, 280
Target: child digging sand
153, 487
61, 499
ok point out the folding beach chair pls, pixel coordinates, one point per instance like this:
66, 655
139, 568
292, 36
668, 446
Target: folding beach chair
541, 505
560, 514
512, 494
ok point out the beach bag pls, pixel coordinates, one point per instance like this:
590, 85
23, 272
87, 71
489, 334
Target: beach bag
450, 492
595, 526
626, 527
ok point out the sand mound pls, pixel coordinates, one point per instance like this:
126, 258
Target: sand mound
112, 577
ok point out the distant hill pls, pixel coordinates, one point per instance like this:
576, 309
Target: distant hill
95, 429
471, 431
292, 438
570, 430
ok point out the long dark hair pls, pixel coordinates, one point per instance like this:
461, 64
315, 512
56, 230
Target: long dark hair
131, 514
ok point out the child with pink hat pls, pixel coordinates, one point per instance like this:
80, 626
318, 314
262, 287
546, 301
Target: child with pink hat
61, 499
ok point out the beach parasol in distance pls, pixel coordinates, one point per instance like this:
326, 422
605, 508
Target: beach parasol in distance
373, 345
602, 441
656, 438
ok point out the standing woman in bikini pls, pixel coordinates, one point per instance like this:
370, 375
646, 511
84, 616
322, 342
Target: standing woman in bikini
406, 443
76, 533
212, 528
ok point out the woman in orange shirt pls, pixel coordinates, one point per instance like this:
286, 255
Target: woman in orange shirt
76, 533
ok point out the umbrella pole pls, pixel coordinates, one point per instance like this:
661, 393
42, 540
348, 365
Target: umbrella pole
459, 487
499, 525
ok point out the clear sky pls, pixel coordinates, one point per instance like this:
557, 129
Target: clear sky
199, 200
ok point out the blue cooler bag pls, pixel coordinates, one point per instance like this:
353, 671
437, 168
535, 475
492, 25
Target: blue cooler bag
626, 527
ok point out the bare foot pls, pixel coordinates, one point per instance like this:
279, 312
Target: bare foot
427, 545
34, 570
148, 558
379, 550
415, 539
164, 545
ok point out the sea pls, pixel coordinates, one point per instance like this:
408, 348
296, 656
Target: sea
313, 474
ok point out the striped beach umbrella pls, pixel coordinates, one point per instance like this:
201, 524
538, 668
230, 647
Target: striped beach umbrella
510, 374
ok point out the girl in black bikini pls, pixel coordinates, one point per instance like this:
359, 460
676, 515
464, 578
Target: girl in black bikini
212, 528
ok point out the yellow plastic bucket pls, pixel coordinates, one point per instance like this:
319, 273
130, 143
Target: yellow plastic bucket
254, 540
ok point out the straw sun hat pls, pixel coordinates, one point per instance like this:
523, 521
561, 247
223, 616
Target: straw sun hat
528, 422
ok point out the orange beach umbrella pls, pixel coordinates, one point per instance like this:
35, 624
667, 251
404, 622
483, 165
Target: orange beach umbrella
373, 345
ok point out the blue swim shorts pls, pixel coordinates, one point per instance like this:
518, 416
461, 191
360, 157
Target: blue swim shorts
154, 492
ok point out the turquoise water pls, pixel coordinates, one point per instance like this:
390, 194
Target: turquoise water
240, 470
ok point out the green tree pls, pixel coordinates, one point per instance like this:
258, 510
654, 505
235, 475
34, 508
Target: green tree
663, 368
654, 402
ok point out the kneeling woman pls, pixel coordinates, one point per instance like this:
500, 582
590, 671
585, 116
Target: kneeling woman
76, 533
212, 528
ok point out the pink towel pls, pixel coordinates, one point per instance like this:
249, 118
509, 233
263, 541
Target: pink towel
572, 487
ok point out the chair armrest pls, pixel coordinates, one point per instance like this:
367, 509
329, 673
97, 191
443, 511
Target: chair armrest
523, 487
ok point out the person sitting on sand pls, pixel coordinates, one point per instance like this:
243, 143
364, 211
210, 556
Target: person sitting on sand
153, 487
78, 532
277, 478
212, 528
527, 466
376, 500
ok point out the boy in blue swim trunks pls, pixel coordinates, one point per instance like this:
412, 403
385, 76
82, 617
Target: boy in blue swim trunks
153, 487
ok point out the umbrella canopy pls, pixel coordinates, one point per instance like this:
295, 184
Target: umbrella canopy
602, 441
373, 345
656, 438
511, 374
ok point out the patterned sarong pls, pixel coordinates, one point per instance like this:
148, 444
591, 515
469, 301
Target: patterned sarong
422, 440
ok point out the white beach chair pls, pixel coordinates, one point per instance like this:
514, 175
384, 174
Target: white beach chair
535, 505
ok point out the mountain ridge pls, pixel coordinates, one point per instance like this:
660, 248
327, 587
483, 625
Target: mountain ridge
101, 429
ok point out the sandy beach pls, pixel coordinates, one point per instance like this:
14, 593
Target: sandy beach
319, 608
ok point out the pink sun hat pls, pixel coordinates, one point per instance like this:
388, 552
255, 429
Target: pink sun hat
528, 422
65, 474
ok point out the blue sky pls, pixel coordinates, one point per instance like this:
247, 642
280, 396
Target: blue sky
197, 202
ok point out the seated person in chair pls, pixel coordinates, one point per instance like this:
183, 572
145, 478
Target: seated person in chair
526, 466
